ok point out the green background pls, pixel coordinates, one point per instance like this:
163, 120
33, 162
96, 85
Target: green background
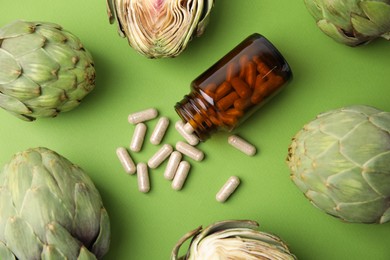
327, 75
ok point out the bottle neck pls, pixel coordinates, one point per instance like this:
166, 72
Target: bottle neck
196, 110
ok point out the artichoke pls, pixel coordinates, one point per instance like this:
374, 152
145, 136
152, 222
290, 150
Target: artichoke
340, 161
352, 22
50, 209
159, 28
232, 239
44, 70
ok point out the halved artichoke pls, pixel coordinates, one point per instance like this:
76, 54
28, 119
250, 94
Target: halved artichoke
352, 22
159, 28
232, 239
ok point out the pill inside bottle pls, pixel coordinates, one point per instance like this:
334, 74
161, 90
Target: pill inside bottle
232, 89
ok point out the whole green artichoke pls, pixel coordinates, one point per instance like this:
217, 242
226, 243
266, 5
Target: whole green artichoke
232, 239
352, 22
341, 161
50, 209
159, 28
44, 70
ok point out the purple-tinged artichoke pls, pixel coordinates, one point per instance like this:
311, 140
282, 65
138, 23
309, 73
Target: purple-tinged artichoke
160, 28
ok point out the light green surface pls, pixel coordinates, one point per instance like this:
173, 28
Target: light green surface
327, 75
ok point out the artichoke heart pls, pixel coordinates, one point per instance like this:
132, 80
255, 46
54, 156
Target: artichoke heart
232, 239
352, 22
159, 28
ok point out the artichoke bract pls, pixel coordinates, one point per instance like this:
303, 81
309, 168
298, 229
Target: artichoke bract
44, 70
50, 209
340, 161
352, 22
232, 239
159, 28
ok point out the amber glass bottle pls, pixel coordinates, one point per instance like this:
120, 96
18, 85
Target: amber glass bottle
234, 87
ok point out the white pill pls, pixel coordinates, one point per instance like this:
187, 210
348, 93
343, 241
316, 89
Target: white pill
227, 189
190, 138
188, 128
126, 161
138, 137
172, 165
160, 156
181, 175
242, 145
142, 116
143, 177
159, 130
190, 151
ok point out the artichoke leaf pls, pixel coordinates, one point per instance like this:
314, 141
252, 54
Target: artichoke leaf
53, 209
62, 240
175, 251
50, 252
19, 47
378, 13
85, 254
10, 70
364, 212
17, 28
13, 105
102, 242
22, 89
21, 239
336, 33
5, 253
87, 205
39, 67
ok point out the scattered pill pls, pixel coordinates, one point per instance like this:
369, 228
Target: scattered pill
227, 189
188, 128
159, 131
181, 175
143, 177
126, 161
172, 165
242, 145
138, 137
142, 116
190, 138
190, 151
160, 156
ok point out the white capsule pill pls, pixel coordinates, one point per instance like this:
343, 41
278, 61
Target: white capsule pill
159, 130
181, 175
190, 151
160, 156
172, 165
227, 189
188, 128
190, 138
143, 177
242, 145
126, 161
138, 137
142, 116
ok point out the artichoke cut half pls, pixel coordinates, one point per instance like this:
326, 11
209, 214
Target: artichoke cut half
159, 28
